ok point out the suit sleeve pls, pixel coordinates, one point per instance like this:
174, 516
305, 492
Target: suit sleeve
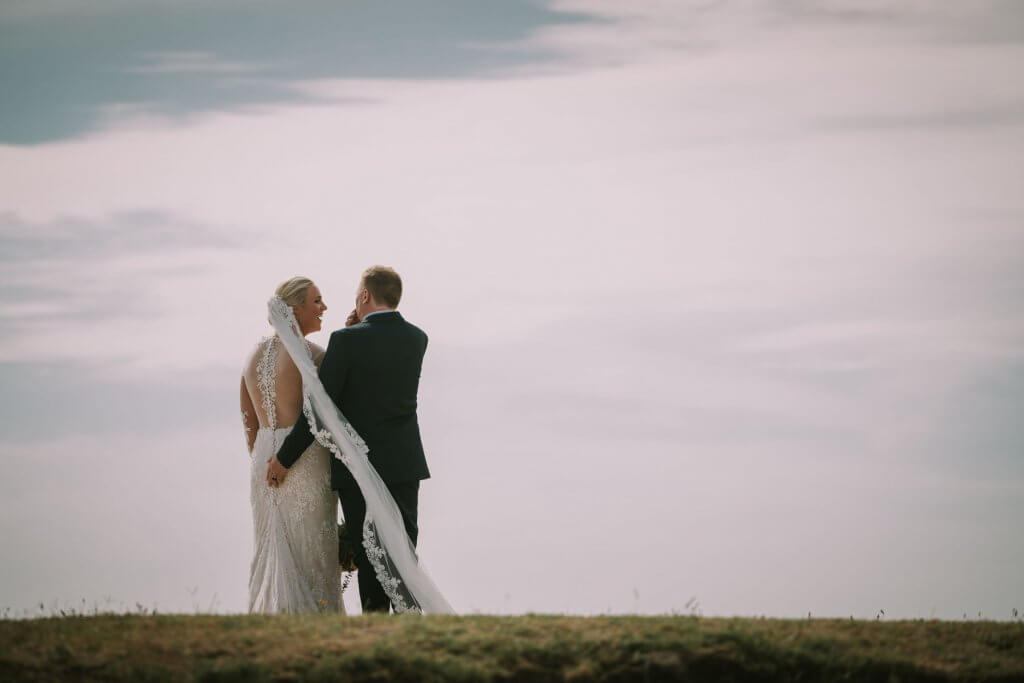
334, 368
295, 443
332, 376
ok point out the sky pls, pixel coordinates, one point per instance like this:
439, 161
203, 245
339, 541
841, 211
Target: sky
725, 299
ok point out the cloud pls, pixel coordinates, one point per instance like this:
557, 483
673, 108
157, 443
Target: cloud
975, 21
66, 66
1002, 115
79, 277
122, 235
647, 30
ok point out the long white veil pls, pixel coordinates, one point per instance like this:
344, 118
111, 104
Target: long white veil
387, 545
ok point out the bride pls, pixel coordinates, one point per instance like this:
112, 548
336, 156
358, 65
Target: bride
295, 559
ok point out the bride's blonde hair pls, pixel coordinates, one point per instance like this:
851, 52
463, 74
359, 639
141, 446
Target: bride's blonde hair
293, 291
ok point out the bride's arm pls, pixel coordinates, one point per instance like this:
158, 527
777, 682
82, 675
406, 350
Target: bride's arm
249, 421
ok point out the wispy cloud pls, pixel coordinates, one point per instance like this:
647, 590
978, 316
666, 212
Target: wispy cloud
649, 29
83, 272
122, 235
978, 21
1009, 114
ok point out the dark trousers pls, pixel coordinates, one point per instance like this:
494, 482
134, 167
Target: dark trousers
406, 495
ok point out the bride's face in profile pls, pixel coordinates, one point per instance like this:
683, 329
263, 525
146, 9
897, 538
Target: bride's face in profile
309, 313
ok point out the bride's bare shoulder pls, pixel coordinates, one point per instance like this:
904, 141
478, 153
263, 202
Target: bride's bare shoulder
318, 353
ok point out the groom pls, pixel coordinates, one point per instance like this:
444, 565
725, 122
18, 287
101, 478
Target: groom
371, 371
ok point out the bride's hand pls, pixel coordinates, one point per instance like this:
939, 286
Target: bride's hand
352, 319
276, 472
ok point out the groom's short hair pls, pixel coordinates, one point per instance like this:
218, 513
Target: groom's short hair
383, 284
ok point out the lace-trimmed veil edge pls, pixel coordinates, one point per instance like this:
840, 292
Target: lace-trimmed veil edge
385, 540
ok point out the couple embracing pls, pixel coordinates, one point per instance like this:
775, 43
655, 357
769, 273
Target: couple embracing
340, 420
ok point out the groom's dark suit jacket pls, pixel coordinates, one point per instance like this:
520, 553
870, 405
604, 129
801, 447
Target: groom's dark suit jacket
372, 372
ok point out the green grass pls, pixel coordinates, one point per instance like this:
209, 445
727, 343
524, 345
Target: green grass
528, 648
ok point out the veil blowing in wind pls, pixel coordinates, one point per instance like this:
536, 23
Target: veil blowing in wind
387, 544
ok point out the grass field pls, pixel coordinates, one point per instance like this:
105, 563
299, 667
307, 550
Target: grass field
527, 648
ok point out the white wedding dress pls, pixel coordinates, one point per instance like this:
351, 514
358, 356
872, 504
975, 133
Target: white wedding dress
295, 534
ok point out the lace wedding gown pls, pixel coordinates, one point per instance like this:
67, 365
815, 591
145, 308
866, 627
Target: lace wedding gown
295, 535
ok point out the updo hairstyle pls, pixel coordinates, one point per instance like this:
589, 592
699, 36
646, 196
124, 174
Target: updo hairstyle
293, 291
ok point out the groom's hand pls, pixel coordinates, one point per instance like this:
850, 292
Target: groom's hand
276, 472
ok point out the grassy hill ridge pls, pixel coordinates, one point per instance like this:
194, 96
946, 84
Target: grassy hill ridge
527, 648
